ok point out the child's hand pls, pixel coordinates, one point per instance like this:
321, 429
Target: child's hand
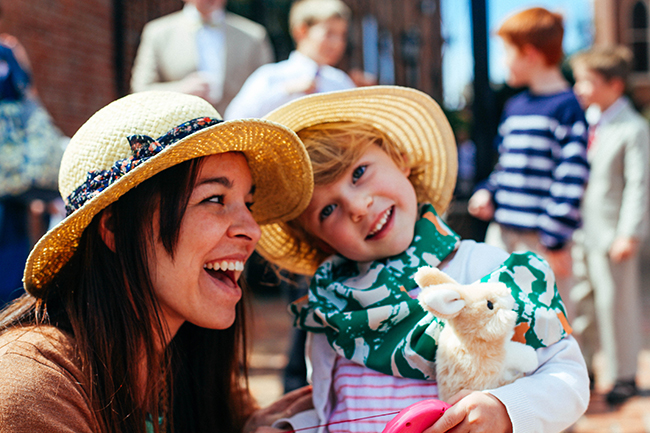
480, 205
473, 411
623, 248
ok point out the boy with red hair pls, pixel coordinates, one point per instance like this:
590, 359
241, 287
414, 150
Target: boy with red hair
533, 195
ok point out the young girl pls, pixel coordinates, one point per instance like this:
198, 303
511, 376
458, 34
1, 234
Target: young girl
132, 317
384, 167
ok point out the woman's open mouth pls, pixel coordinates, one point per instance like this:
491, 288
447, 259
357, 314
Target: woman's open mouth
224, 271
382, 223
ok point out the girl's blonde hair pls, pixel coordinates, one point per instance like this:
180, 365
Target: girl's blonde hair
333, 148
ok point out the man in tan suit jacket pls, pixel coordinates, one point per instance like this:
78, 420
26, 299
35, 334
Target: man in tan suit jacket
614, 211
175, 49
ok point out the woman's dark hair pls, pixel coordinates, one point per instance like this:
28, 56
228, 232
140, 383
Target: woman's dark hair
107, 302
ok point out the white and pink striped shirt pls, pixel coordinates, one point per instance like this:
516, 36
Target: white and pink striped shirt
361, 393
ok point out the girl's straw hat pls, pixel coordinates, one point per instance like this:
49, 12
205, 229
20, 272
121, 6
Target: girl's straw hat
412, 119
140, 135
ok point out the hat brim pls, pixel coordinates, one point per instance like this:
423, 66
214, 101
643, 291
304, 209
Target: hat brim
277, 160
409, 117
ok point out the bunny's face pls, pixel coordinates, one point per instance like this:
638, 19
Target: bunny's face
488, 313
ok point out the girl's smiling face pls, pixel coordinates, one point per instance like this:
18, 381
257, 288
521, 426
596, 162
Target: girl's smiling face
217, 235
367, 214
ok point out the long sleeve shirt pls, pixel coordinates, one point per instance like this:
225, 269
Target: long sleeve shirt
270, 86
547, 400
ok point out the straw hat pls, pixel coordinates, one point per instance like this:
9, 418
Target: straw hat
135, 137
412, 119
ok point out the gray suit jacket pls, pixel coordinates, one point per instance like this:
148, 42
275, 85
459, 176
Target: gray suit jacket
168, 53
615, 202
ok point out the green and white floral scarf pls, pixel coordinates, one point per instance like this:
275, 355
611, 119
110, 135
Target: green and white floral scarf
368, 316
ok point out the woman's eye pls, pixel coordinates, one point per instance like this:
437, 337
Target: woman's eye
327, 211
358, 172
216, 199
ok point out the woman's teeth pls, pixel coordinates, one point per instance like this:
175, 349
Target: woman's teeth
381, 222
225, 266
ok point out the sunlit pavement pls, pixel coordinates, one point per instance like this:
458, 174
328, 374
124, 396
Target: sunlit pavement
271, 337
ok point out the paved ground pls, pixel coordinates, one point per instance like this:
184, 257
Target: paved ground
271, 337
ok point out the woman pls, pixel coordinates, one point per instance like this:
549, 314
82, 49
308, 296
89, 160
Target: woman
132, 319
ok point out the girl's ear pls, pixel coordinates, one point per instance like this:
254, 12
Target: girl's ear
405, 168
106, 228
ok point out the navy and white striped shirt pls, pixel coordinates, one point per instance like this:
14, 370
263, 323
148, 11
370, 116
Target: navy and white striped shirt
542, 169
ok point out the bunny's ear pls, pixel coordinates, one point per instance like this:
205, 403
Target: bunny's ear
443, 302
429, 276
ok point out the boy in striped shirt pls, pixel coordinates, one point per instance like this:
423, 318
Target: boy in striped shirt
533, 195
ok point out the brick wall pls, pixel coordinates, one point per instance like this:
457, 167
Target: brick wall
82, 51
73, 51
69, 43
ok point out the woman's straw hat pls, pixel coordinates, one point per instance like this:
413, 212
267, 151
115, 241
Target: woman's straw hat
140, 135
412, 119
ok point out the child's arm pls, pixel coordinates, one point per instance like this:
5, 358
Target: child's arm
562, 213
549, 400
634, 203
554, 396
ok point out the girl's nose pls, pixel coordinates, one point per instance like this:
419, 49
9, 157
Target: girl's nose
244, 226
359, 206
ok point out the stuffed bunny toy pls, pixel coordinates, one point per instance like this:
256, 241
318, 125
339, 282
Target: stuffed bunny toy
475, 350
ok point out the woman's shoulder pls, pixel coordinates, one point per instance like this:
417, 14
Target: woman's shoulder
41, 381
40, 341
41, 350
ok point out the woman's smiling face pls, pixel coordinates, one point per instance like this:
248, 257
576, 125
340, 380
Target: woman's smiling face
217, 235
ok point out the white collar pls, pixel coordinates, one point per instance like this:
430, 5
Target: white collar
297, 56
613, 110
191, 12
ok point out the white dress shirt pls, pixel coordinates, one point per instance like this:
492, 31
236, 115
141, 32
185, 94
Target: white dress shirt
271, 85
211, 48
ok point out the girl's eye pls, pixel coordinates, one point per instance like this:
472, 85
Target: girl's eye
327, 211
358, 172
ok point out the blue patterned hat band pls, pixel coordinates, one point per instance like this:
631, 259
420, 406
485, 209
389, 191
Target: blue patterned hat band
143, 148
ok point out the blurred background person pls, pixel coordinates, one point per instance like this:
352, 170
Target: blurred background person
533, 195
30, 151
614, 212
201, 50
319, 29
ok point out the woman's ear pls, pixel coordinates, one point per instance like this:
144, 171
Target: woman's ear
106, 228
